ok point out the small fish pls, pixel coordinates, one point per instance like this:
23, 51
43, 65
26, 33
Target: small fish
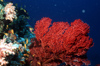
28, 52
31, 62
11, 31
15, 37
25, 46
33, 55
19, 48
26, 41
31, 29
6, 34
22, 62
24, 10
26, 58
27, 17
1, 0
25, 54
39, 63
7, 27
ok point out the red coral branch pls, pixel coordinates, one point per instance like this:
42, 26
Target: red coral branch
42, 27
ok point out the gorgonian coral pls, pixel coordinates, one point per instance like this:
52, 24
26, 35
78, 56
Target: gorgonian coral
59, 40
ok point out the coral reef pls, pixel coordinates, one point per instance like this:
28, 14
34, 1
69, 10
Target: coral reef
12, 23
47, 45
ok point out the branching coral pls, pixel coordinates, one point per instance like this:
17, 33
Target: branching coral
60, 40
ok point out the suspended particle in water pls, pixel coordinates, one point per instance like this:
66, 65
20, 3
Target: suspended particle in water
55, 4
83, 11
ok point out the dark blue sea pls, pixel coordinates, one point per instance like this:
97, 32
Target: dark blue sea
68, 10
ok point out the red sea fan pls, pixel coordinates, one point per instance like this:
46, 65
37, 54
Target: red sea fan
60, 40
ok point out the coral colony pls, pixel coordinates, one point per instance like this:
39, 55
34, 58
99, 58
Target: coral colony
47, 44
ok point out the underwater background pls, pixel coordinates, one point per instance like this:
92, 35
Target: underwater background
68, 10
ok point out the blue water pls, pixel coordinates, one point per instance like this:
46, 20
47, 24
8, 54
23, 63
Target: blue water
68, 10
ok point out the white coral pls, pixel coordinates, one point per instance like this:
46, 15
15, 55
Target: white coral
5, 50
10, 12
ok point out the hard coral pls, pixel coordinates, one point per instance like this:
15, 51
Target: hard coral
60, 40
